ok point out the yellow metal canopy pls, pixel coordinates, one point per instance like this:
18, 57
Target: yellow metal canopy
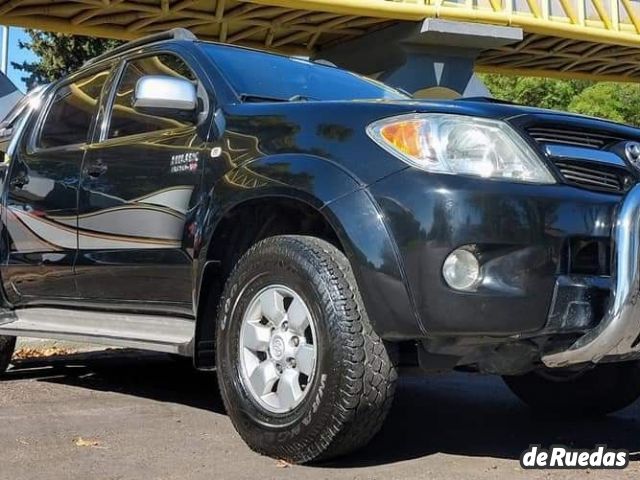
597, 39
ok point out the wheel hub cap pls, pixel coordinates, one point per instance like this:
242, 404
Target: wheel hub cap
278, 349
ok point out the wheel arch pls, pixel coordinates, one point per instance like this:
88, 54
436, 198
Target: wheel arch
342, 213
239, 227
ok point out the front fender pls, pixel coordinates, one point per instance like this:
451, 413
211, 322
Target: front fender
352, 213
375, 260
310, 179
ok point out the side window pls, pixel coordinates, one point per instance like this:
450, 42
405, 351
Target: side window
72, 111
127, 121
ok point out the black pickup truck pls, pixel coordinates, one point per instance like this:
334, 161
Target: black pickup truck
306, 232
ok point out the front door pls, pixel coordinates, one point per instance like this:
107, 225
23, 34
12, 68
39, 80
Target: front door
42, 192
139, 189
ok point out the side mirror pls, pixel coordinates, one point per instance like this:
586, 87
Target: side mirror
166, 96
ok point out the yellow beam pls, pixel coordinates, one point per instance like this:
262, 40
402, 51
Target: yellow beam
602, 13
568, 8
496, 5
405, 10
632, 14
53, 24
372, 8
535, 8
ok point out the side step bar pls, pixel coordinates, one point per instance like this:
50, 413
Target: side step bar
146, 332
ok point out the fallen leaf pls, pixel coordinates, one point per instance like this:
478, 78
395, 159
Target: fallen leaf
26, 352
282, 464
81, 442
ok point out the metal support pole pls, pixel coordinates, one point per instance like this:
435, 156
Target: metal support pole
4, 62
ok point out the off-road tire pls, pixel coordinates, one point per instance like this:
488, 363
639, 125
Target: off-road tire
598, 391
355, 377
7, 346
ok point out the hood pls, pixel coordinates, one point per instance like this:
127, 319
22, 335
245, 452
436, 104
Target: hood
476, 106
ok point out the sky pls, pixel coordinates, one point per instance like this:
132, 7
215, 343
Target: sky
18, 55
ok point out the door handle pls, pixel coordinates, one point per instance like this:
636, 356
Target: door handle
96, 169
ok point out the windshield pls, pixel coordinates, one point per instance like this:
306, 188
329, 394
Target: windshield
261, 76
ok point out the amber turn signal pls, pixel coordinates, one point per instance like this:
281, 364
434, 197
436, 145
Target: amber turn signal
404, 136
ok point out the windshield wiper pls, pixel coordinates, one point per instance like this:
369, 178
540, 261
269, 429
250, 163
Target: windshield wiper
250, 97
301, 98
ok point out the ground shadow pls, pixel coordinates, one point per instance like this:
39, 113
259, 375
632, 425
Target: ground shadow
477, 416
131, 372
459, 414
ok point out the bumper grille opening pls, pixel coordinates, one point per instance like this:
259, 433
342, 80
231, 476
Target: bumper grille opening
589, 257
595, 176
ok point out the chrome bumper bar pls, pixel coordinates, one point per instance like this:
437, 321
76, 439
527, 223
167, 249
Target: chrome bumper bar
617, 334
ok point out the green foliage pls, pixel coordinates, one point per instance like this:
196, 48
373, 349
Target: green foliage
619, 102
533, 91
58, 55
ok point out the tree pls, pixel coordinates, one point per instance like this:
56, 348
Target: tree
619, 102
536, 92
58, 54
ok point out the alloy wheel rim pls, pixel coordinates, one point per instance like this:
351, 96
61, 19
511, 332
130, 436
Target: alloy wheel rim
278, 349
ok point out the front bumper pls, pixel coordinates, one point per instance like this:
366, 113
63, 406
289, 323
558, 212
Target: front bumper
523, 234
618, 333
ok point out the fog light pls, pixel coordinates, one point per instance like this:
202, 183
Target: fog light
461, 270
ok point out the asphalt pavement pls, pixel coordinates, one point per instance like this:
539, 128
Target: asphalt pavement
118, 414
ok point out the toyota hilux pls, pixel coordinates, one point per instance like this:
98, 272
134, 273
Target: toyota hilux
306, 231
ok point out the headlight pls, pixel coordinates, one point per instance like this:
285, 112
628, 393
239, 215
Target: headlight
458, 144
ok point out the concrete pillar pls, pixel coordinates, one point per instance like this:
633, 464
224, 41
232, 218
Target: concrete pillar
430, 59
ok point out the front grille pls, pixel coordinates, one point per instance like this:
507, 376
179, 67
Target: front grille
585, 158
595, 176
587, 139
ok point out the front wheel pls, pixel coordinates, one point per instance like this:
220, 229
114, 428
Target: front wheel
302, 374
603, 389
7, 346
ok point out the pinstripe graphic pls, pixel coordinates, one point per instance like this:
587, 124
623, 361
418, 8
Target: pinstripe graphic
150, 222
23, 237
64, 236
59, 235
175, 198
